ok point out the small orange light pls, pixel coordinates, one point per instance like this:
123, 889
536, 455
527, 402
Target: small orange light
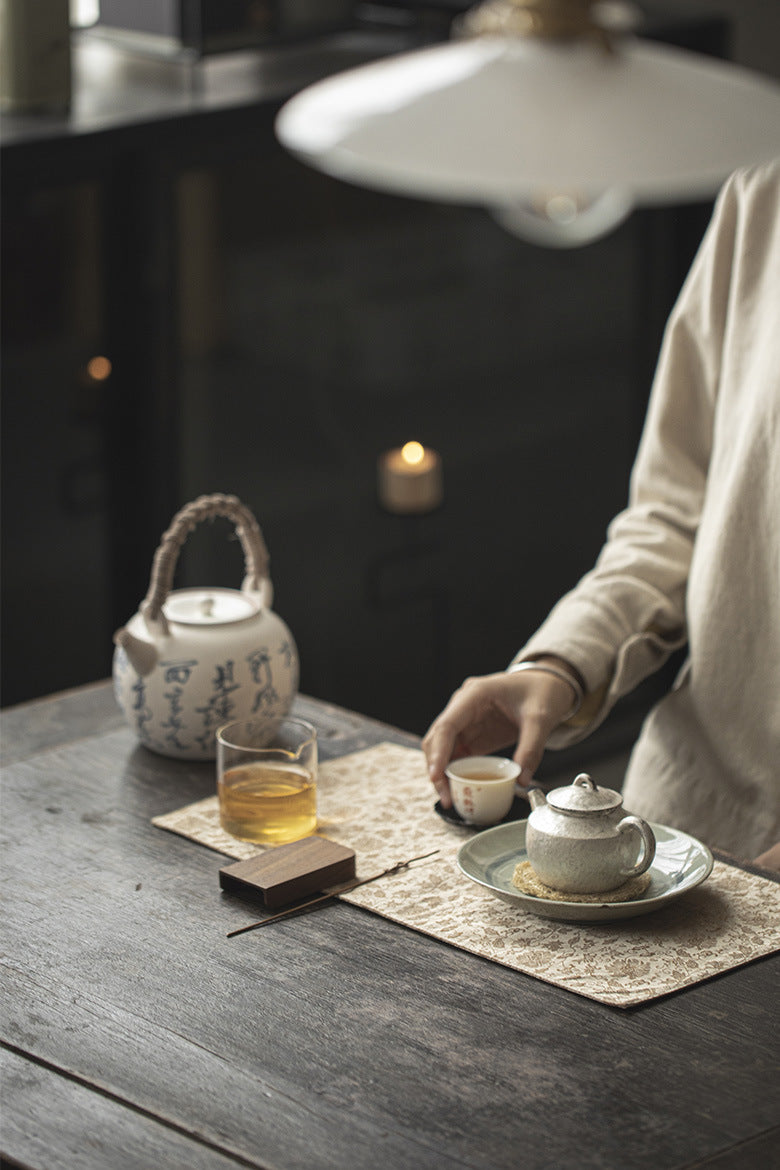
99, 368
413, 452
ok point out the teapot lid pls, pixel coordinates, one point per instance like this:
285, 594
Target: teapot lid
209, 607
583, 796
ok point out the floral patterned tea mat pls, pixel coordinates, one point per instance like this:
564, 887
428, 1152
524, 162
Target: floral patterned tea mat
380, 803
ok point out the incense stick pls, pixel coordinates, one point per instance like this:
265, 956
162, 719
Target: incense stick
334, 893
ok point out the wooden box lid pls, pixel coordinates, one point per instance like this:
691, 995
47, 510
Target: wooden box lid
286, 873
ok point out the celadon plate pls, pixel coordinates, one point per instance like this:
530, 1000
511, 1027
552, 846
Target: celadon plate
680, 864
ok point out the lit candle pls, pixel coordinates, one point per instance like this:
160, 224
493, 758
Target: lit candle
409, 479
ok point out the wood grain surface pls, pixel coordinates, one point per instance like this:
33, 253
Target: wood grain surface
137, 1035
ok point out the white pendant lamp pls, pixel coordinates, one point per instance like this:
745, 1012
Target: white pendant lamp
542, 114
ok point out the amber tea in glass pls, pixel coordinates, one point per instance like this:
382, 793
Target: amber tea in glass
267, 783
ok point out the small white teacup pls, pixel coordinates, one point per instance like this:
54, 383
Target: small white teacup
482, 787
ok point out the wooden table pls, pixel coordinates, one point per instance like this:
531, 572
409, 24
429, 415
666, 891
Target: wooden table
136, 1035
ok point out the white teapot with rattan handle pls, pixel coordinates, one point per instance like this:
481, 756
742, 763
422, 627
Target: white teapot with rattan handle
193, 659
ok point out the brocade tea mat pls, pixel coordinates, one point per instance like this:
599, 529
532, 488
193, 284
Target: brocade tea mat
379, 802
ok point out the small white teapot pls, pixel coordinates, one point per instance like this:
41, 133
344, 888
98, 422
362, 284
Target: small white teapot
193, 659
579, 841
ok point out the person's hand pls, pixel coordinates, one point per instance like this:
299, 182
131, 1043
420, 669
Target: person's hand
493, 712
771, 858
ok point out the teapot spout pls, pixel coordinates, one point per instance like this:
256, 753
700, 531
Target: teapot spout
142, 655
536, 797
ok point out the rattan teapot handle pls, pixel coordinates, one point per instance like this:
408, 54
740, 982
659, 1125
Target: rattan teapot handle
184, 522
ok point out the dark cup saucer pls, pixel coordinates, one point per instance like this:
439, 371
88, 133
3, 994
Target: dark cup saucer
518, 812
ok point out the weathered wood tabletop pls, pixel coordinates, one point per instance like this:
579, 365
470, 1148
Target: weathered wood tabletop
136, 1035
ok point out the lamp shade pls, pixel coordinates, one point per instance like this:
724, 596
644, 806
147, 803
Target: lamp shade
555, 130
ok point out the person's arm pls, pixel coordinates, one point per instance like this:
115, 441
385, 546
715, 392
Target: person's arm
625, 617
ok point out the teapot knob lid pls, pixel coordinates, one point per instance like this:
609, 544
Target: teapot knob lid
584, 796
584, 781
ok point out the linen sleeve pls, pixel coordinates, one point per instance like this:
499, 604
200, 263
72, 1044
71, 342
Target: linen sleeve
626, 616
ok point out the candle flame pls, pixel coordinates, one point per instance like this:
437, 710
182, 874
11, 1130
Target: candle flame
412, 452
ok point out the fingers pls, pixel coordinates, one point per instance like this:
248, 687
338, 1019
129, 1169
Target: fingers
541, 714
448, 737
468, 725
531, 740
440, 745
488, 713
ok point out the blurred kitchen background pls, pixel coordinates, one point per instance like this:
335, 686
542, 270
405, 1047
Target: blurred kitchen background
187, 309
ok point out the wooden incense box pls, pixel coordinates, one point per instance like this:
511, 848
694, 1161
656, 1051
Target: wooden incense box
289, 872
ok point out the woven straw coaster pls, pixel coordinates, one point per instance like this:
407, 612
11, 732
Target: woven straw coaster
380, 803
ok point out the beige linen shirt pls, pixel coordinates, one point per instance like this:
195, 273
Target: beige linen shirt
695, 557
